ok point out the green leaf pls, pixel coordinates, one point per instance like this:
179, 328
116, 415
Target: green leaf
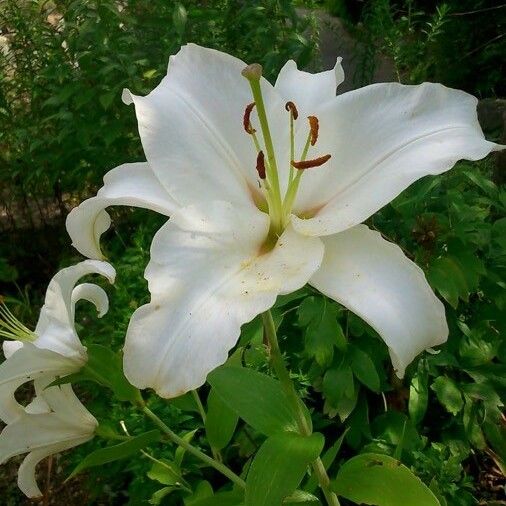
256, 398
116, 452
323, 331
165, 472
301, 497
446, 275
327, 460
180, 451
448, 394
419, 393
279, 466
158, 496
203, 490
381, 480
105, 368
221, 421
364, 369
233, 498
339, 390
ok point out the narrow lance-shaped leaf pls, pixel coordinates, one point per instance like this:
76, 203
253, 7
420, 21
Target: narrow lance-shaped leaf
117, 452
279, 466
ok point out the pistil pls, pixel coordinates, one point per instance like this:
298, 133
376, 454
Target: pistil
253, 73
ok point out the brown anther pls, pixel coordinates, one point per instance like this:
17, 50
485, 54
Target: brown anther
314, 126
246, 121
261, 165
309, 164
290, 106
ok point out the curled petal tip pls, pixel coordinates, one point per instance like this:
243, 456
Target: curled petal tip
126, 96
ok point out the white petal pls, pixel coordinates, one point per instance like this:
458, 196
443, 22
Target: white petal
308, 91
26, 364
130, 184
191, 127
27, 482
374, 279
10, 347
206, 279
55, 328
31, 432
382, 138
62, 400
94, 294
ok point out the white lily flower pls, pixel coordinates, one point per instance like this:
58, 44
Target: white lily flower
259, 213
53, 349
55, 420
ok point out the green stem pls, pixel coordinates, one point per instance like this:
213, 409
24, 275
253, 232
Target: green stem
282, 373
200, 407
202, 412
194, 451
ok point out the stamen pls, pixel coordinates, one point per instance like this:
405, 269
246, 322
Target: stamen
314, 125
309, 164
261, 165
246, 121
290, 106
12, 328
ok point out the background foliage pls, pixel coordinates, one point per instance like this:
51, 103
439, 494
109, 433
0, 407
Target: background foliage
64, 126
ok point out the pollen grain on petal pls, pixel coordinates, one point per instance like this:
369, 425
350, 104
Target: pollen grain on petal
246, 121
309, 164
261, 165
314, 125
291, 107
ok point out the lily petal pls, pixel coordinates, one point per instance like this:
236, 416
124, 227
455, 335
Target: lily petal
308, 91
374, 279
94, 294
207, 277
45, 429
26, 364
382, 138
55, 328
131, 184
27, 482
31, 432
191, 127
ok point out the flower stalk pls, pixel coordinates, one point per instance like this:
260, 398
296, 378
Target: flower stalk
223, 469
283, 375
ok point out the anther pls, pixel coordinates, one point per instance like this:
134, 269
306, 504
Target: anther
252, 72
314, 126
290, 106
246, 121
309, 164
261, 165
